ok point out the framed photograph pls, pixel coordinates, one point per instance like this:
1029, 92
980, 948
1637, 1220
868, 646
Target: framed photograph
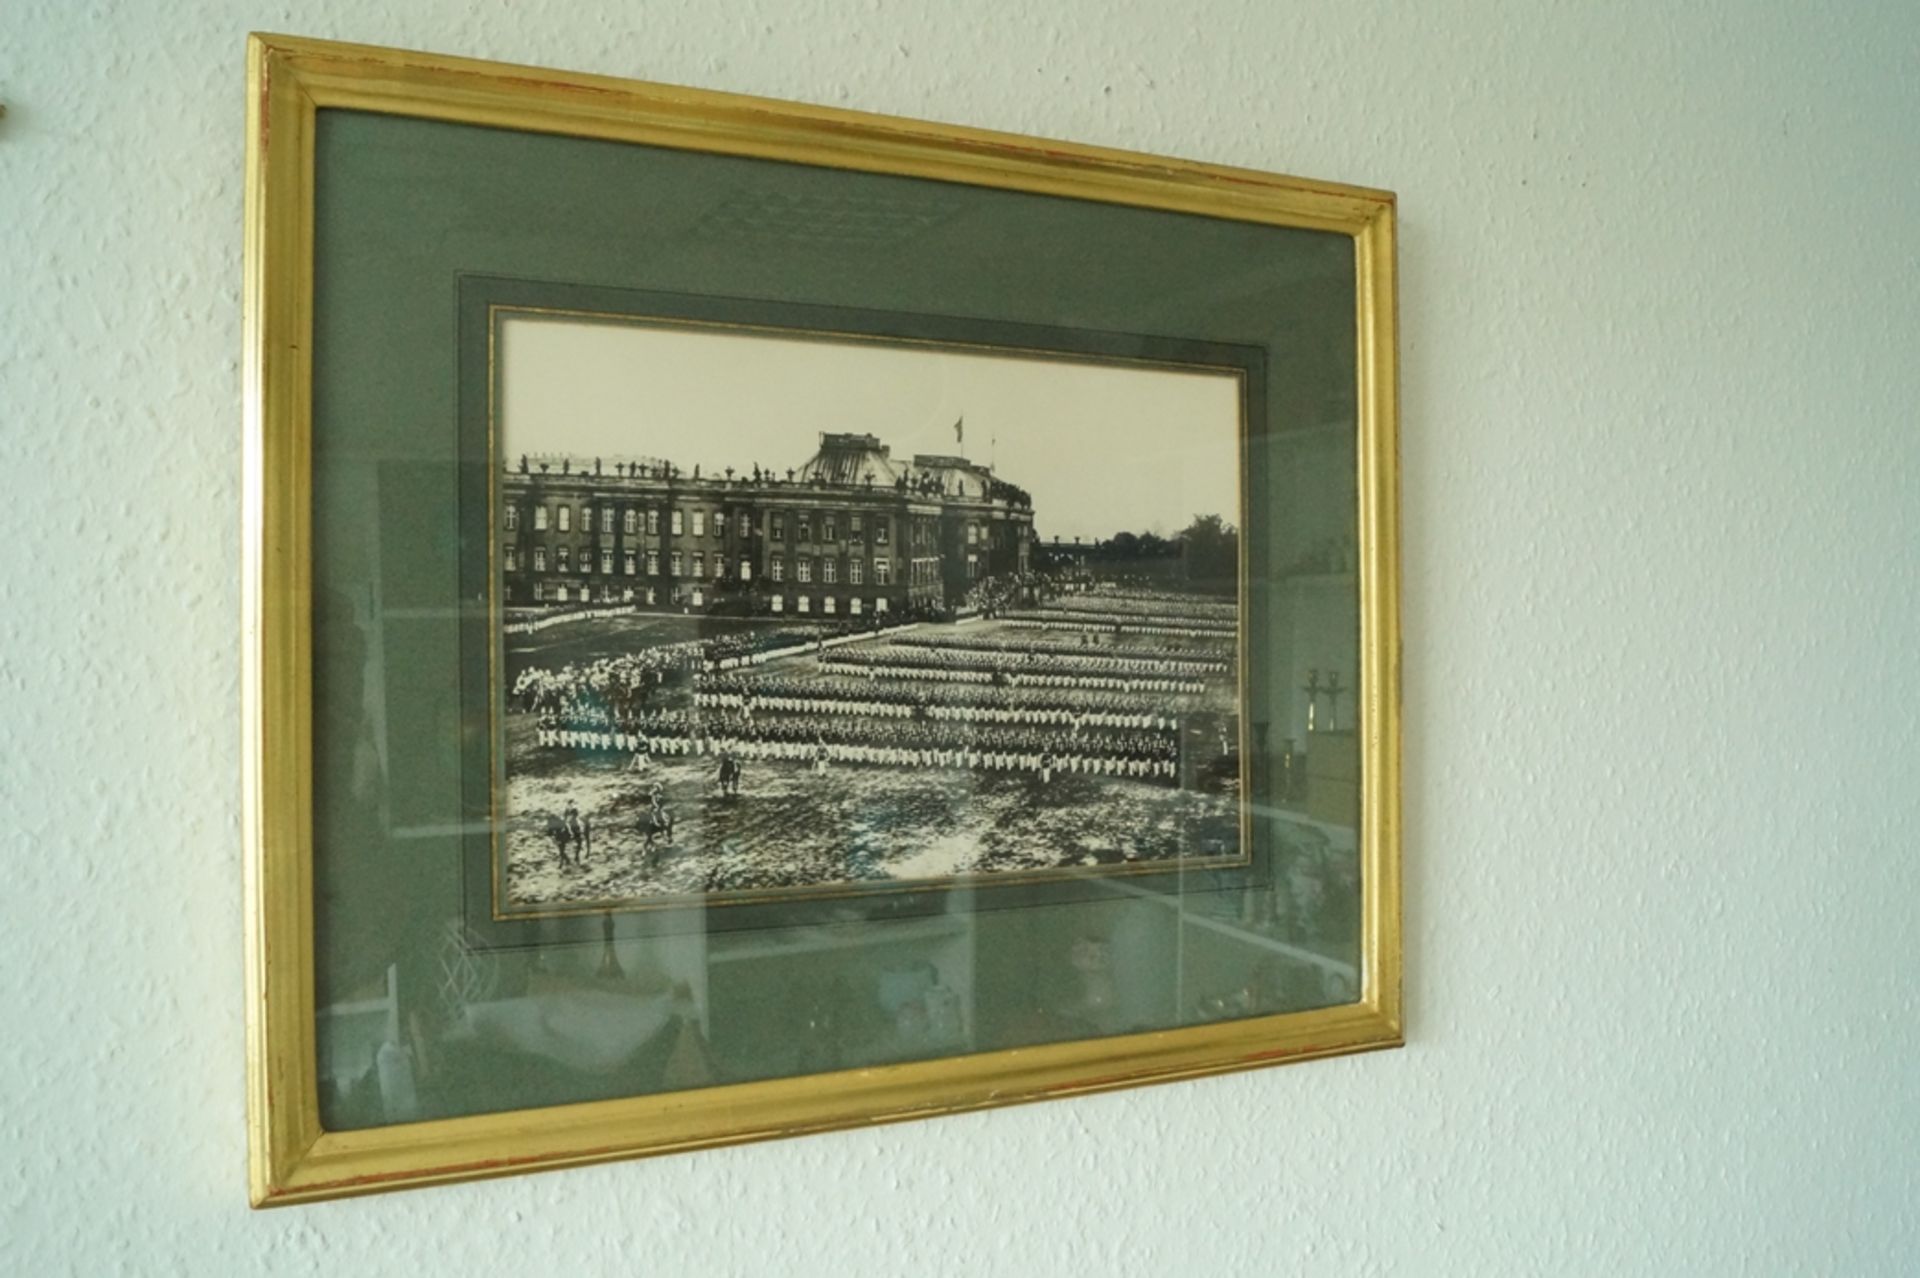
762, 618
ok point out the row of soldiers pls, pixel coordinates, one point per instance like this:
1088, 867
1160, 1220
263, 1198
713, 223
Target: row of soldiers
1118, 625
820, 739
1146, 603
873, 699
623, 682
894, 663
1080, 656
747, 643
1120, 684
1008, 666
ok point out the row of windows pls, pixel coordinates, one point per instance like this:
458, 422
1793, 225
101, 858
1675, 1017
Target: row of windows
678, 521
584, 593
803, 570
677, 563
828, 604
563, 560
829, 528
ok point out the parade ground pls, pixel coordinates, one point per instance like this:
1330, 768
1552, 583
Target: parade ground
810, 822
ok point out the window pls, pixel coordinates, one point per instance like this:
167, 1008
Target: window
805, 532
606, 561
566, 519
586, 519
881, 528
803, 604
829, 603
699, 523
854, 529
513, 518
653, 523
586, 594
746, 524
779, 603
539, 558
853, 606
512, 559
653, 563
539, 518
883, 572
629, 520
854, 573
746, 568
631, 564
719, 567
699, 564
673, 564
830, 570
880, 604
679, 521
803, 568
606, 519
826, 528
778, 568
539, 591
973, 534
565, 557
561, 594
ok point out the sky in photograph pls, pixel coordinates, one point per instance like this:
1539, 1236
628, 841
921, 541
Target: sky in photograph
1102, 448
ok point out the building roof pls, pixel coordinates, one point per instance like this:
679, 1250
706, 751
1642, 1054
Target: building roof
956, 476
851, 459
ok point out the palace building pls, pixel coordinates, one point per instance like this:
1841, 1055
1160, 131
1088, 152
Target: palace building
852, 533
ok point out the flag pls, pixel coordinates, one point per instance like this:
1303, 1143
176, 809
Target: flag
960, 430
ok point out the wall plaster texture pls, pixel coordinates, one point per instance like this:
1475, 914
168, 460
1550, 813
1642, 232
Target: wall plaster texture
1661, 308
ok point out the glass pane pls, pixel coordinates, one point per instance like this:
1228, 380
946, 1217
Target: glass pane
1026, 715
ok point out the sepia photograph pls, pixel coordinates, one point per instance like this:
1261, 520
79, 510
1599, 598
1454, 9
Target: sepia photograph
785, 612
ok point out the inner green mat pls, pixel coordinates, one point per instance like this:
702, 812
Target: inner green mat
611, 1005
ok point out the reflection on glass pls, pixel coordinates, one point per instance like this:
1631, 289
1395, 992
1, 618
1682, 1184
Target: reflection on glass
900, 700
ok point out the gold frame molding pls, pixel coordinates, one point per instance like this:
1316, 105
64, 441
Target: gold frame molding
291, 1158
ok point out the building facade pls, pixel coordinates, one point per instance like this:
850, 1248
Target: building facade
852, 533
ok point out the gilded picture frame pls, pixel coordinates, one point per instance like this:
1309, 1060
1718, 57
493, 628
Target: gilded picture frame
334, 864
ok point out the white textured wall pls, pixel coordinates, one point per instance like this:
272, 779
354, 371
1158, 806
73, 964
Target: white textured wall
1661, 315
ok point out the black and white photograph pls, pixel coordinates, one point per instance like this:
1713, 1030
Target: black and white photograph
803, 612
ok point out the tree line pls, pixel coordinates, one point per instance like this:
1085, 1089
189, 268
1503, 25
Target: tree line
1206, 549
